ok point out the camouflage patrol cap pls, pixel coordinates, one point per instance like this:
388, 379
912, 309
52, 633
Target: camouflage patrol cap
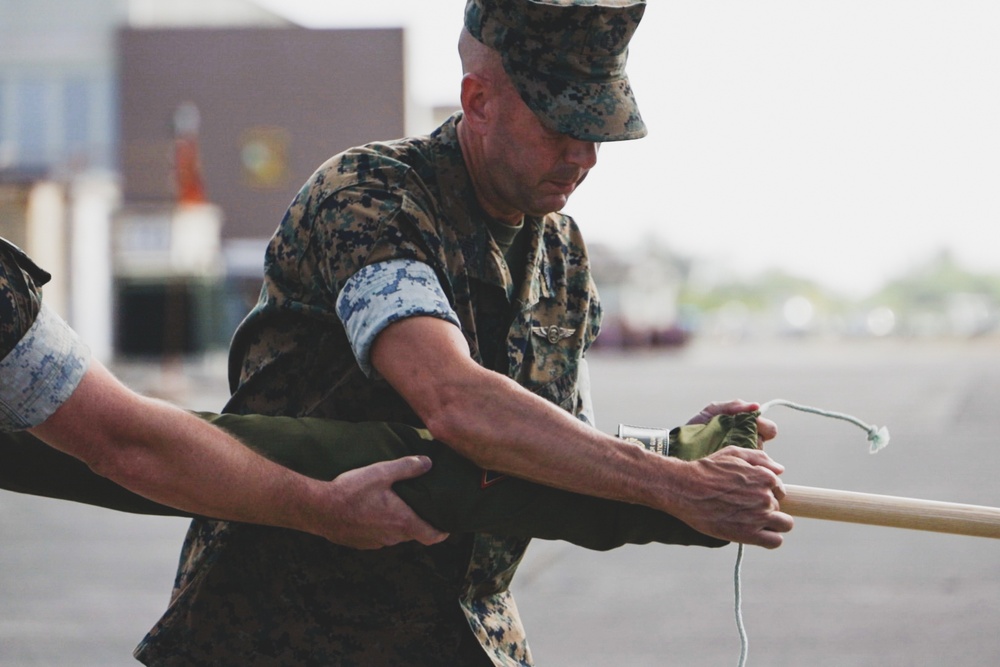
567, 60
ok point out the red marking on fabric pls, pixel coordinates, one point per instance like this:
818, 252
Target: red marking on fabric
490, 478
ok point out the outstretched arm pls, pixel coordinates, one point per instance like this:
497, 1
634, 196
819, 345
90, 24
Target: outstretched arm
452, 496
168, 455
501, 426
51, 386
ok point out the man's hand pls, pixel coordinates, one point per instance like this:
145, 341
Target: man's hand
766, 429
367, 513
733, 495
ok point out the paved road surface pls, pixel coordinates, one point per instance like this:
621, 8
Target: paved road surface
80, 586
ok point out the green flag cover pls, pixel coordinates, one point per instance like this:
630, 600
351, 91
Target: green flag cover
455, 496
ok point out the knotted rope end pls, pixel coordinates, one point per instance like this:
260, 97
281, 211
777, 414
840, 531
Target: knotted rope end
879, 439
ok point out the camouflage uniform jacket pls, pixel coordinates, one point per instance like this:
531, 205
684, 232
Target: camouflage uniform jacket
254, 596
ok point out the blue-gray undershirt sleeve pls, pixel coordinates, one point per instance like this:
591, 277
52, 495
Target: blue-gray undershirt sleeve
41, 372
383, 293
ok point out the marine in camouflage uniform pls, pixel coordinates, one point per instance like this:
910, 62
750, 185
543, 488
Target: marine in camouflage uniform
381, 225
397, 605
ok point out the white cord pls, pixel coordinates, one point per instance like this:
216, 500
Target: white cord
878, 437
737, 581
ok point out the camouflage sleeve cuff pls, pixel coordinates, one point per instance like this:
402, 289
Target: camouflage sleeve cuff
586, 413
41, 372
383, 293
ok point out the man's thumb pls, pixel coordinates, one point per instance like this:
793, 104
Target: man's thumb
407, 467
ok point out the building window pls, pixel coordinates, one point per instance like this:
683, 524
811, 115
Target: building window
76, 105
5, 140
32, 119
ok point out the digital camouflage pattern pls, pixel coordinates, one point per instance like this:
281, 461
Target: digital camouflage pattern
252, 596
42, 360
387, 292
20, 295
567, 60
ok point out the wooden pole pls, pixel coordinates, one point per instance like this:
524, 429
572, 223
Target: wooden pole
893, 511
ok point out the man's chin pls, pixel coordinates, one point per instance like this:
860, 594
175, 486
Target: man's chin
550, 204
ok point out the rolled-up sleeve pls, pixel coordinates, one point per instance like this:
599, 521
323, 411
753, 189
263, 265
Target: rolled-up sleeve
386, 292
41, 372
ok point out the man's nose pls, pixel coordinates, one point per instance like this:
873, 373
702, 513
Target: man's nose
582, 154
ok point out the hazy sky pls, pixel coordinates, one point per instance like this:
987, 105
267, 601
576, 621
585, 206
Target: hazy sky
838, 140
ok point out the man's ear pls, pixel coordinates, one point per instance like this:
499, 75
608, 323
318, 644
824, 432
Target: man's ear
476, 98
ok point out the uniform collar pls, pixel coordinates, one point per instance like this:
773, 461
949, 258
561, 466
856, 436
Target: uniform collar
483, 258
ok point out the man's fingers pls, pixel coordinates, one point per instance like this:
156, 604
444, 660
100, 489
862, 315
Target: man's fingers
415, 528
756, 457
427, 534
766, 430
771, 537
377, 516
767, 539
733, 407
407, 467
408, 527
782, 522
771, 534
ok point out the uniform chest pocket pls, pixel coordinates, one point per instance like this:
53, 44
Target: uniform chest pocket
550, 363
562, 391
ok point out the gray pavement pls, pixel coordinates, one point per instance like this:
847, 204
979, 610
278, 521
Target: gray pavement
80, 586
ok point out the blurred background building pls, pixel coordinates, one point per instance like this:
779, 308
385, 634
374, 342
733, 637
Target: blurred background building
149, 148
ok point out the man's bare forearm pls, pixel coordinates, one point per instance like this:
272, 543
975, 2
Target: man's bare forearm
161, 452
172, 457
501, 426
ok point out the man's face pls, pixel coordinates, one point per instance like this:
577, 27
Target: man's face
531, 169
